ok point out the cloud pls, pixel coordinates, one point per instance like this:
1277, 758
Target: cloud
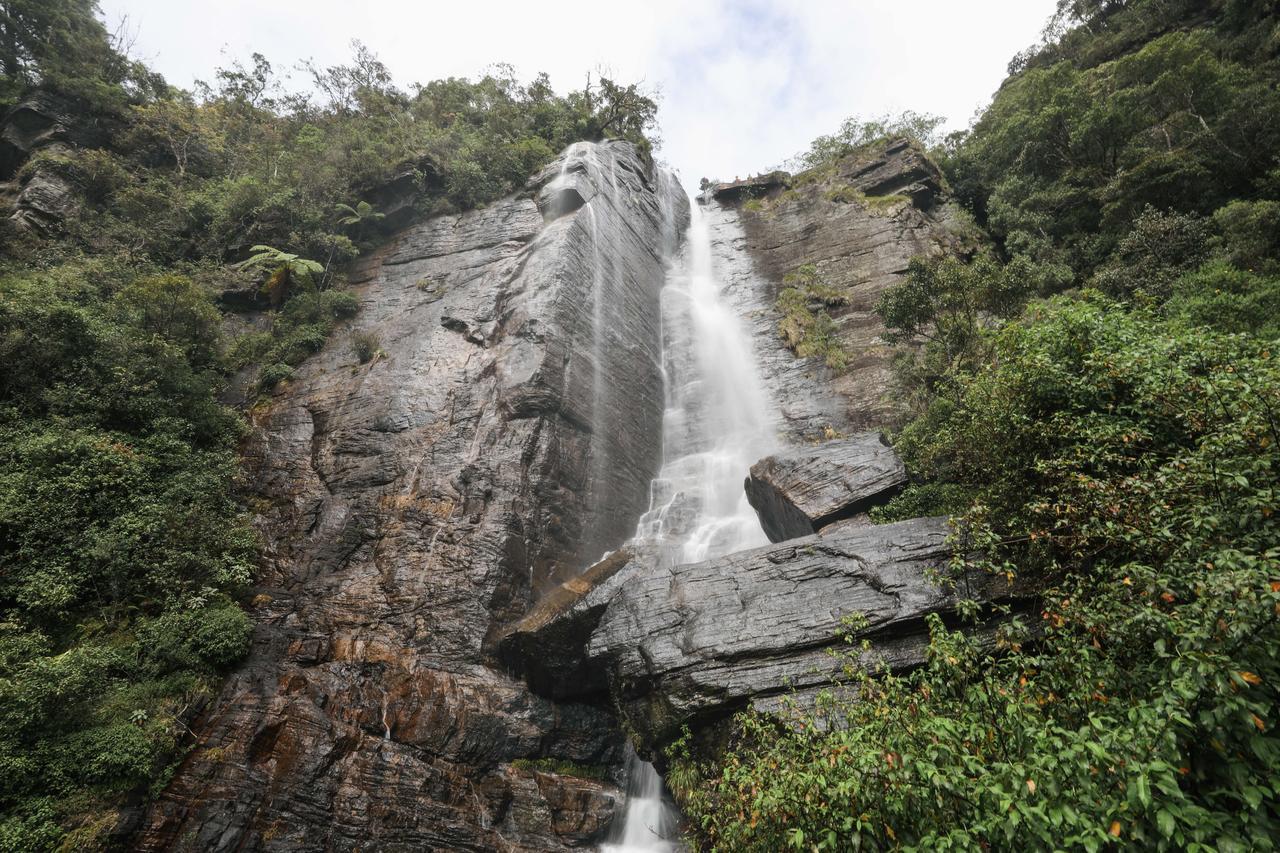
745, 84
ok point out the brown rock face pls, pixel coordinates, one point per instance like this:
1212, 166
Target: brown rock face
411, 506
859, 223
799, 492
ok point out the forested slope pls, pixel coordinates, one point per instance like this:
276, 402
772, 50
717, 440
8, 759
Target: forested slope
1095, 397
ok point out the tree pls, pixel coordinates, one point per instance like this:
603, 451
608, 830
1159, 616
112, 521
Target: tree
947, 302
62, 45
621, 111
857, 133
285, 271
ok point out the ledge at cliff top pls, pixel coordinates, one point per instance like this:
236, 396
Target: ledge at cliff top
413, 505
798, 492
858, 221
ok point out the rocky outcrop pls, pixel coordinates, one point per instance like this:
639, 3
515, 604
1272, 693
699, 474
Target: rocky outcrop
45, 118
44, 199
754, 187
799, 492
548, 646
413, 507
692, 644
859, 223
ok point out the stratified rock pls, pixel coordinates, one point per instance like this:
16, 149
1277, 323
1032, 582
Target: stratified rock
692, 644
44, 201
44, 118
798, 492
859, 223
548, 646
756, 186
412, 507
899, 168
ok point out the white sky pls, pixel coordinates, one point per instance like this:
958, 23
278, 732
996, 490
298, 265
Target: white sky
745, 84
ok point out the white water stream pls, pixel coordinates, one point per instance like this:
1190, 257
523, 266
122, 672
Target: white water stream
719, 420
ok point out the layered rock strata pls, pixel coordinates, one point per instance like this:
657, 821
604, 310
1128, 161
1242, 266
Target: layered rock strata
690, 645
504, 437
859, 222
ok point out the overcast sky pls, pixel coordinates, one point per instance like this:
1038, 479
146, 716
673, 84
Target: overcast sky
744, 84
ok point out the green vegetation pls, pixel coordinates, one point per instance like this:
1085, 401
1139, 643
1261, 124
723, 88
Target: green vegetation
125, 556
1170, 105
561, 767
857, 134
1127, 464
1114, 445
806, 326
120, 543
879, 204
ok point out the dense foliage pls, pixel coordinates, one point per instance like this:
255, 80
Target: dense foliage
1129, 465
124, 553
1171, 105
1114, 447
120, 545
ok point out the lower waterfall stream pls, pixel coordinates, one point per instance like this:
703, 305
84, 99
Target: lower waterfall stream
718, 421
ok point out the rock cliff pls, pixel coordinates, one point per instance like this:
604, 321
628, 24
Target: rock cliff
859, 221
414, 505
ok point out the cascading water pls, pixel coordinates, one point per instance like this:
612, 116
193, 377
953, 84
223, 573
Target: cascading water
719, 420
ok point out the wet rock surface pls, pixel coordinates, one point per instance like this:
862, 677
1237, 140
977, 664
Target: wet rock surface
859, 223
692, 644
413, 507
548, 646
799, 492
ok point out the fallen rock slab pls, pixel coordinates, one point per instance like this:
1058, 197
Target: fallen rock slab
693, 644
799, 492
548, 646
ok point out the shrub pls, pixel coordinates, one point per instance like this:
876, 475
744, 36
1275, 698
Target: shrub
806, 326
365, 344
1129, 466
273, 374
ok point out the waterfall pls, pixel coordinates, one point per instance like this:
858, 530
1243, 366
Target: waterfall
718, 421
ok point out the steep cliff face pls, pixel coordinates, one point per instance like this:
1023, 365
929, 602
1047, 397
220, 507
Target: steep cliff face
859, 222
503, 437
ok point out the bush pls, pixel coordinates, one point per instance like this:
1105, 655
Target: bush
806, 326
1128, 465
273, 374
365, 345
1223, 297
119, 535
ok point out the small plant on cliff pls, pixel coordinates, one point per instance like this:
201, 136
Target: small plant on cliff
366, 345
806, 326
286, 272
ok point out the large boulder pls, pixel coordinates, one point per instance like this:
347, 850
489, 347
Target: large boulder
798, 492
692, 644
45, 199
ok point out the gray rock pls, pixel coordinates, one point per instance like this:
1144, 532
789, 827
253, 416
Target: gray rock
412, 508
859, 249
44, 118
799, 492
692, 644
44, 199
